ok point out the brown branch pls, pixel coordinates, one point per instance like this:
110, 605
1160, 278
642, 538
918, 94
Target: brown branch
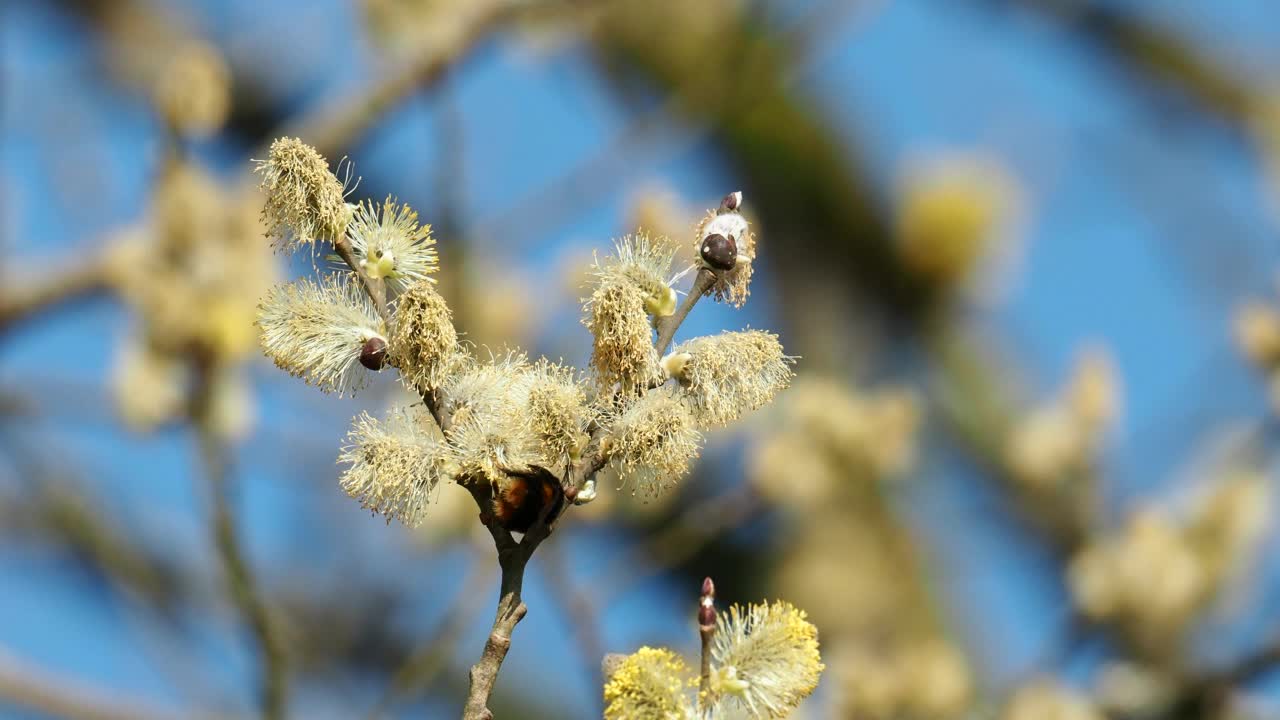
241, 584
667, 326
375, 288
25, 686
338, 123
23, 300
706, 633
513, 558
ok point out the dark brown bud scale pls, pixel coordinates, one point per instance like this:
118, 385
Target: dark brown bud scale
719, 252
708, 588
731, 202
374, 353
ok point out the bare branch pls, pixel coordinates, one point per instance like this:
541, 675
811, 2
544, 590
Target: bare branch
513, 558
22, 300
23, 685
241, 583
347, 118
667, 326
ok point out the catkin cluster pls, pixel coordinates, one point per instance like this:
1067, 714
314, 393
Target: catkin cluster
500, 423
764, 662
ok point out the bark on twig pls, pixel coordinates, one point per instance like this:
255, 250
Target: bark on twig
24, 686
668, 326
23, 300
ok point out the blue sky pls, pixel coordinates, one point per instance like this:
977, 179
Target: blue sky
1145, 227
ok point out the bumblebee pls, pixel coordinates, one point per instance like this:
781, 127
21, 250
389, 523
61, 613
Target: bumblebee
523, 497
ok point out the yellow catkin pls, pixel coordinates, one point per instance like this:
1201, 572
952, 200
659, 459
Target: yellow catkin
558, 412
305, 200
653, 442
395, 464
491, 432
316, 331
771, 650
622, 351
1047, 700
193, 92
731, 373
391, 245
951, 211
424, 342
648, 685
629, 285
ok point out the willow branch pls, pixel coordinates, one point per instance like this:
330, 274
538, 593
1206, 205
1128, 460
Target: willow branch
23, 300
667, 326
375, 288
513, 558
25, 686
337, 124
705, 633
241, 583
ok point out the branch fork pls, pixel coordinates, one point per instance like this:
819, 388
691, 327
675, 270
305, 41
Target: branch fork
513, 555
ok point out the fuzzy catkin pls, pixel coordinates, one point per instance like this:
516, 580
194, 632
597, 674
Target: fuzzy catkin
395, 464
491, 431
773, 650
653, 442
558, 413
305, 201
731, 373
424, 342
648, 685
391, 245
622, 351
630, 284
316, 331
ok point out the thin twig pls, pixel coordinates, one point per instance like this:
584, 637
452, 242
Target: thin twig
72, 281
667, 326
705, 633
513, 558
339, 123
25, 686
241, 583
375, 288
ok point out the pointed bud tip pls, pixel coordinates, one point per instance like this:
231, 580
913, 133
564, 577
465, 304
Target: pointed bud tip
708, 588
731, 202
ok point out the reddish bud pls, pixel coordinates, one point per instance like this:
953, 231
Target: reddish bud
731, 202
374, 353
707, 605
719, 252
